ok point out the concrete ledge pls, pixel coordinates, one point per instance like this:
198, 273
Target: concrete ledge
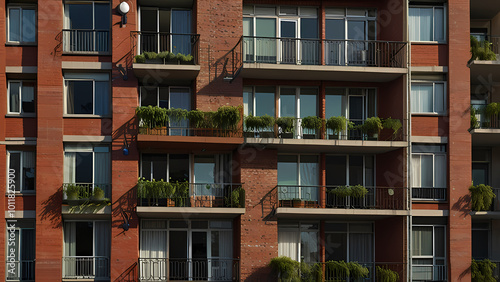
167, 71
29, 141
91, 212
188, 212
20, 69
486, 214
429, 139
325, 213
439, 69
430, 213
20, 214
87, 138
87, 65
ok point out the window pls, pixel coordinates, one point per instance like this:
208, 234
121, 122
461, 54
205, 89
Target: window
480, 240
350, 242
165, 29
174, 167
428, 171
21, 25
428, 97
429, 252
22, 164
298, 177
21, 98
259, 100
87, 26
299, 241
87, 246
88, 165
87, 94
190, 249
427, 23
293, 31
23, 266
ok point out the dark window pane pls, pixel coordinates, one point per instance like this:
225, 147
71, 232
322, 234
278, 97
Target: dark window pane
179, 168
84, 237
80, 16
479, 244
309, 28
356, 170
336, 246
80, 97
15, 170
336, 170
14, 97
83, 167
102, 14
149, 96
28, 97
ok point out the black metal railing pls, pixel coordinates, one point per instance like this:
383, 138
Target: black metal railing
86, 191
429, 272
223, 195
188, 131
398, 267
207, 269
297, 51
157, 42
23, 270
326, 196
91, 267
86, 41
429, 193
330, 274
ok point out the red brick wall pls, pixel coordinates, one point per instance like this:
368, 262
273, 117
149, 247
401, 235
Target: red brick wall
125, 244
429, 54
259, 237
94, 126
49, 163
3, 151
26, 202
75, 58
459, 145
21, 56
389, 238
20, 127
429, 125
390, 169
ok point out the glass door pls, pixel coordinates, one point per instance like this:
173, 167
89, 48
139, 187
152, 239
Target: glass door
178, 255
288, 41
335, 42
199, 255
356, 115
265, 40
181, 32
356, 45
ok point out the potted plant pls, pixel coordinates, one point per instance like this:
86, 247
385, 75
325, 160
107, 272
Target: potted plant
286, 126
491, 113
285, 269
259, 124
140, 59
338, 125
227, 118
314, 124
181, 194
72, 192
341, 195
387, 275
393, 124
98, 194
372, 127
151, 57
169, 190
297, 203
481, 197
236, 198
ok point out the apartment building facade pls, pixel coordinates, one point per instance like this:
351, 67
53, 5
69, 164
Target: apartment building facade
218, 203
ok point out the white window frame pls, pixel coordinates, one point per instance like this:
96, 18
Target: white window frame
298, 229
252, 97
87, 77
433, 155
20, 112
158, 94
443, 7
21, 178
364, 168
21, 7
489, 235
433, 256
349, 232
433, 84
78, 148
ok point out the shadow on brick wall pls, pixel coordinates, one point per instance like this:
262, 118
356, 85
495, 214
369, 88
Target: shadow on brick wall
51, 209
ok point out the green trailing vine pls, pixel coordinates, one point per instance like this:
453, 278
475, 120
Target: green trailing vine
312, 122
474, 122
358, 191
372, 125
165, 56
311, 273
481, 50
338, 124
255, 123
227, 117
339, 269
387, 275
393, 124
481, 197
482, 271
286, 269
287, 124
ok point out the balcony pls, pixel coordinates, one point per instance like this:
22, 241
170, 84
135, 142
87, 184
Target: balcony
331, 274
86, 267
86, 41
428, 194
485, 129
319, 59
182, 199
86, 198
207, 269
350, 140
297, 200
170, 56
23, 270
494, 211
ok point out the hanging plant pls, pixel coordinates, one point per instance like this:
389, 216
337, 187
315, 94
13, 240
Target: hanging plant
227, 117
312, 122
340, 270
482, 271
196, 118
287, 124
372, 126
358, 191
176, 115
394, 124
387, 275
481, 197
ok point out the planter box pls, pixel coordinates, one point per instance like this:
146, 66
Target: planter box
298, 204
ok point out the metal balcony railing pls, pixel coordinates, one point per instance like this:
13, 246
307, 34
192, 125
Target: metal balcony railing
429, 193
86, 190
157, 42
207, 269
324, 197
23, 270
297, 51
188, 131
224, 195
429, 272
86, 41
90, 267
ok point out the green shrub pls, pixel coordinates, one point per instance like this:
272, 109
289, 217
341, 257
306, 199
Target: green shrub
227, 117
481, 197
386, 275
492, 109
312, 122
196, 118
394, 124
372, 125
356, 270
311, 273
72, 191
258, 123
286, 268
236, 199
287, 124
150, 55
140, 58
358, 191
342, 191
339, 270
482, 271
481, 50
337, 124
98, 193
165, 55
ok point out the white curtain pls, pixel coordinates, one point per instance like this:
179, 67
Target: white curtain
153, 246
421, 27
309, 176
361, 247
422, 241
101, 105
102, 173
440, 171
102, 250
221, 266
70, 103
69, 265
69, 167
288, 242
